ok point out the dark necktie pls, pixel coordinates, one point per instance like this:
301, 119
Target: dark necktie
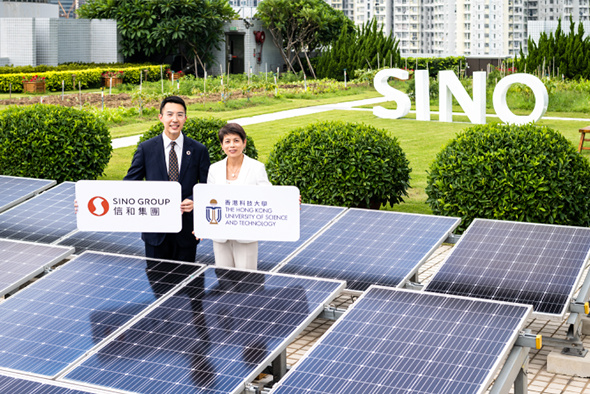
173, 164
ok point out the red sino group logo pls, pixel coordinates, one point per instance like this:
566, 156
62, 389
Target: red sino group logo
98, 206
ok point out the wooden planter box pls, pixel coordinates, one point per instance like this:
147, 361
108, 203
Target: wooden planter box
176, 77
34, 86
106, 81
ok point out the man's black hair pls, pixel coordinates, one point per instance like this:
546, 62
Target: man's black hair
173, 99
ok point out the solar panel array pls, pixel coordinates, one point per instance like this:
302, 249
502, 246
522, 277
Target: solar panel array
394, 340
217, 331
528, 263
366, 247
21, 261
16, 189
9, 384
55, 320
272, 253
109, 242
45, 218
214, 335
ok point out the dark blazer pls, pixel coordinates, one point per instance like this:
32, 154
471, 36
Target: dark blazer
149, 163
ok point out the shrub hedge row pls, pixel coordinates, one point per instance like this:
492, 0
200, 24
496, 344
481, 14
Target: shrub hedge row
342, 164
65, 67
524, 173
87, 78
53, 142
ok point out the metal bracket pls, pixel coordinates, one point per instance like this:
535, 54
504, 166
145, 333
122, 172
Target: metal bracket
574, 351
573, 345
279, 366
513, 373
331, 313
582, 308
251, 389
452, 239
413, 285
526, 339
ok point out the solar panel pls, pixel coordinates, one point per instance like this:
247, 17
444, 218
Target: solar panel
55, 320
395, 340
16, 190
21, 261
366, 247
10, 384
528, 263
213, 336
44, 218
98, 241
271, 253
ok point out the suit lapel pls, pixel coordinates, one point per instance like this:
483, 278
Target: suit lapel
187, 155
160, 158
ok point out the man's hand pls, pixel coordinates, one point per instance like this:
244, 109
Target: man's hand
186, 205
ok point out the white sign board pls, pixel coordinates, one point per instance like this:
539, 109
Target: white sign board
135, 206
246, 212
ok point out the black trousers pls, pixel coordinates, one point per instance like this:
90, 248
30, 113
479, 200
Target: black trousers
170, 250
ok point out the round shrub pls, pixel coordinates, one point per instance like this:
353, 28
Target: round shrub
524, 173
342, 164
53, 142
204, 131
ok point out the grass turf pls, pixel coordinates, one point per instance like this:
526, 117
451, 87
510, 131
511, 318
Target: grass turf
421, 141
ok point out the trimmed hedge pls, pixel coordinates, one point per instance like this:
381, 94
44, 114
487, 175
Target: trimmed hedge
53, 142
342, 164
88, 78
204, 131
523, 173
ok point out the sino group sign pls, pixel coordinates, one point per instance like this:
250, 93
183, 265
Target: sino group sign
130, 206
257, 213
449, 87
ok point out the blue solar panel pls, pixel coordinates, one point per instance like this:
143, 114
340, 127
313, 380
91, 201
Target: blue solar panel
15, 190
14, 385
394, 341
271, 253
213, 336
366, 247
21, 261
528, 263
45, 218
55, 320
98, 241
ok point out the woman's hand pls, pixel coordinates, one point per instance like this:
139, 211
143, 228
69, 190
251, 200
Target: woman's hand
198, 239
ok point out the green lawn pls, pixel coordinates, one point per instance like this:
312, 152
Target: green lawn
421, 141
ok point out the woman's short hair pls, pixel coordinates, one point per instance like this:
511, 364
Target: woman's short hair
231, 128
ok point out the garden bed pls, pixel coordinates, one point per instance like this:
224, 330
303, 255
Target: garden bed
116, 100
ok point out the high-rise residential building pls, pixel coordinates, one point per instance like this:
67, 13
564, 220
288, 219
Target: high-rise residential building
236, 4
346, 6
461, 27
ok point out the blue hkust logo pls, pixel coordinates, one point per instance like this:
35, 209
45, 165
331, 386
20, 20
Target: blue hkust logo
213, 212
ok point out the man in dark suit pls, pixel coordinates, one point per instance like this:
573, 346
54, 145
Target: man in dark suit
172, 156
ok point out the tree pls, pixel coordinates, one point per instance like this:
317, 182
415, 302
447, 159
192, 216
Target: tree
566, 52
155, 29
298, 26
356, 48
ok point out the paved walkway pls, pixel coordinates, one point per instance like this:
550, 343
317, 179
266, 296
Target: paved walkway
291, 113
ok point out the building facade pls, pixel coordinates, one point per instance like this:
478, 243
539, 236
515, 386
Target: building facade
461, 27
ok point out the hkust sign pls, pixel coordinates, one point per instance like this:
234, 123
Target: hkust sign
257, 213
449, 86
136, 206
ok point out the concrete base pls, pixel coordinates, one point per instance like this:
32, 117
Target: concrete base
568, 365
585, 325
